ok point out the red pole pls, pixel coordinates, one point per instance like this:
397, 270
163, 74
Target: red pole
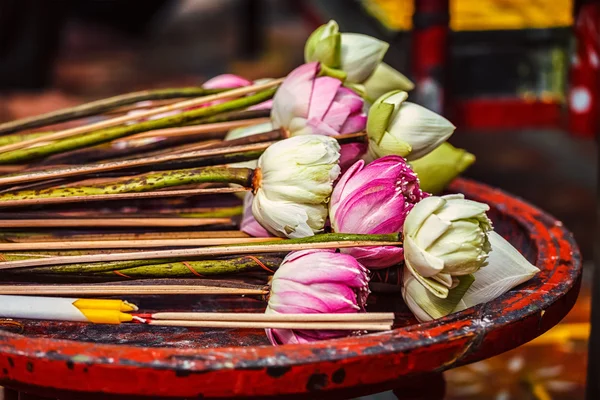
584, 90
429, 51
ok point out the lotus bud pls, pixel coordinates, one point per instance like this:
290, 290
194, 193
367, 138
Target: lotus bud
293, 183
444, 238
505, 269
386, 79
308, 104
398, 127
226, 81
355, 54
438, 168
375, 199
316, 281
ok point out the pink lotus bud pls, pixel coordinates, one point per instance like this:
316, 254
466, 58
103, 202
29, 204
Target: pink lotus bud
226, 81
306, 104
375, 199
316, 281
249, 224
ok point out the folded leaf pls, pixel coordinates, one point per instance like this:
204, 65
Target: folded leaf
505, 269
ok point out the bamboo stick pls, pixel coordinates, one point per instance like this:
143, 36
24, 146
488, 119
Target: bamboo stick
329, 241
353, 326
329, 317
195, 129
20, 237
119, 196
129, 244
127, 118
111, 222
99, 106
118, 290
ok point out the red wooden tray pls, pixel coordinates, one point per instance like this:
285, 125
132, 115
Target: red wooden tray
71, 360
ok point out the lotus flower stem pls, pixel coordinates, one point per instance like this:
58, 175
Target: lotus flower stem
107, 151
119, 290
153, 269
74, 198
100, 106
112, 133
142, 183
328, 241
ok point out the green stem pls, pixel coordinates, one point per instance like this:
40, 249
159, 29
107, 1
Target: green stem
143, 183
10, 139
100, 106
203, 267
216, 213
332, 237
108, 134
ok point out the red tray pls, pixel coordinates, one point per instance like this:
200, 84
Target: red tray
72, 360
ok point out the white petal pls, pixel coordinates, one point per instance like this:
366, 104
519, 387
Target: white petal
421, 261
249, 131
360, 55
420, 212
423, 129
506, 268
431, 229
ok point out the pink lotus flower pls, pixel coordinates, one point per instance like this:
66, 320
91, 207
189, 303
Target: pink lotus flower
249, 224
316, 281
306, 104
226, 81
375, 199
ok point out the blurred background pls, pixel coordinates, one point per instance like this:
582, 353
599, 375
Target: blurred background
518, 78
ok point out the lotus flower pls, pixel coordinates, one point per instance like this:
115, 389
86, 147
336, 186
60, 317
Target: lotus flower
306, 104
355, 54
293, 183
398, 127
444, 238
316, 281
506, 268
375, 199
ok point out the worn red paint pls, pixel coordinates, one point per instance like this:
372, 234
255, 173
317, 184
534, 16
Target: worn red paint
375, 362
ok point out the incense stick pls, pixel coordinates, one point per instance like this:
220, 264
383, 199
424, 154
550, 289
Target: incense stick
66, 243
353, 326
195, 129
216, 316
119, 196
291, 245
116, 290
126, 118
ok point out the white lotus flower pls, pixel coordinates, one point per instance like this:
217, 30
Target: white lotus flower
398, 127
444, 238
294, 181
357, 55
505, 269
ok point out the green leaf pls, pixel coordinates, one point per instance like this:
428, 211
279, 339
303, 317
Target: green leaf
434, 306
438, 168
378, 120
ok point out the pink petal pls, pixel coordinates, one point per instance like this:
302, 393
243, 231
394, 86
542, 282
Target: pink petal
339, 190
336, 116
377, 257
318, 127
354, 123
265, 105
349, 98
324, 91
226, 81
350, 154
249, 224
292, 98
